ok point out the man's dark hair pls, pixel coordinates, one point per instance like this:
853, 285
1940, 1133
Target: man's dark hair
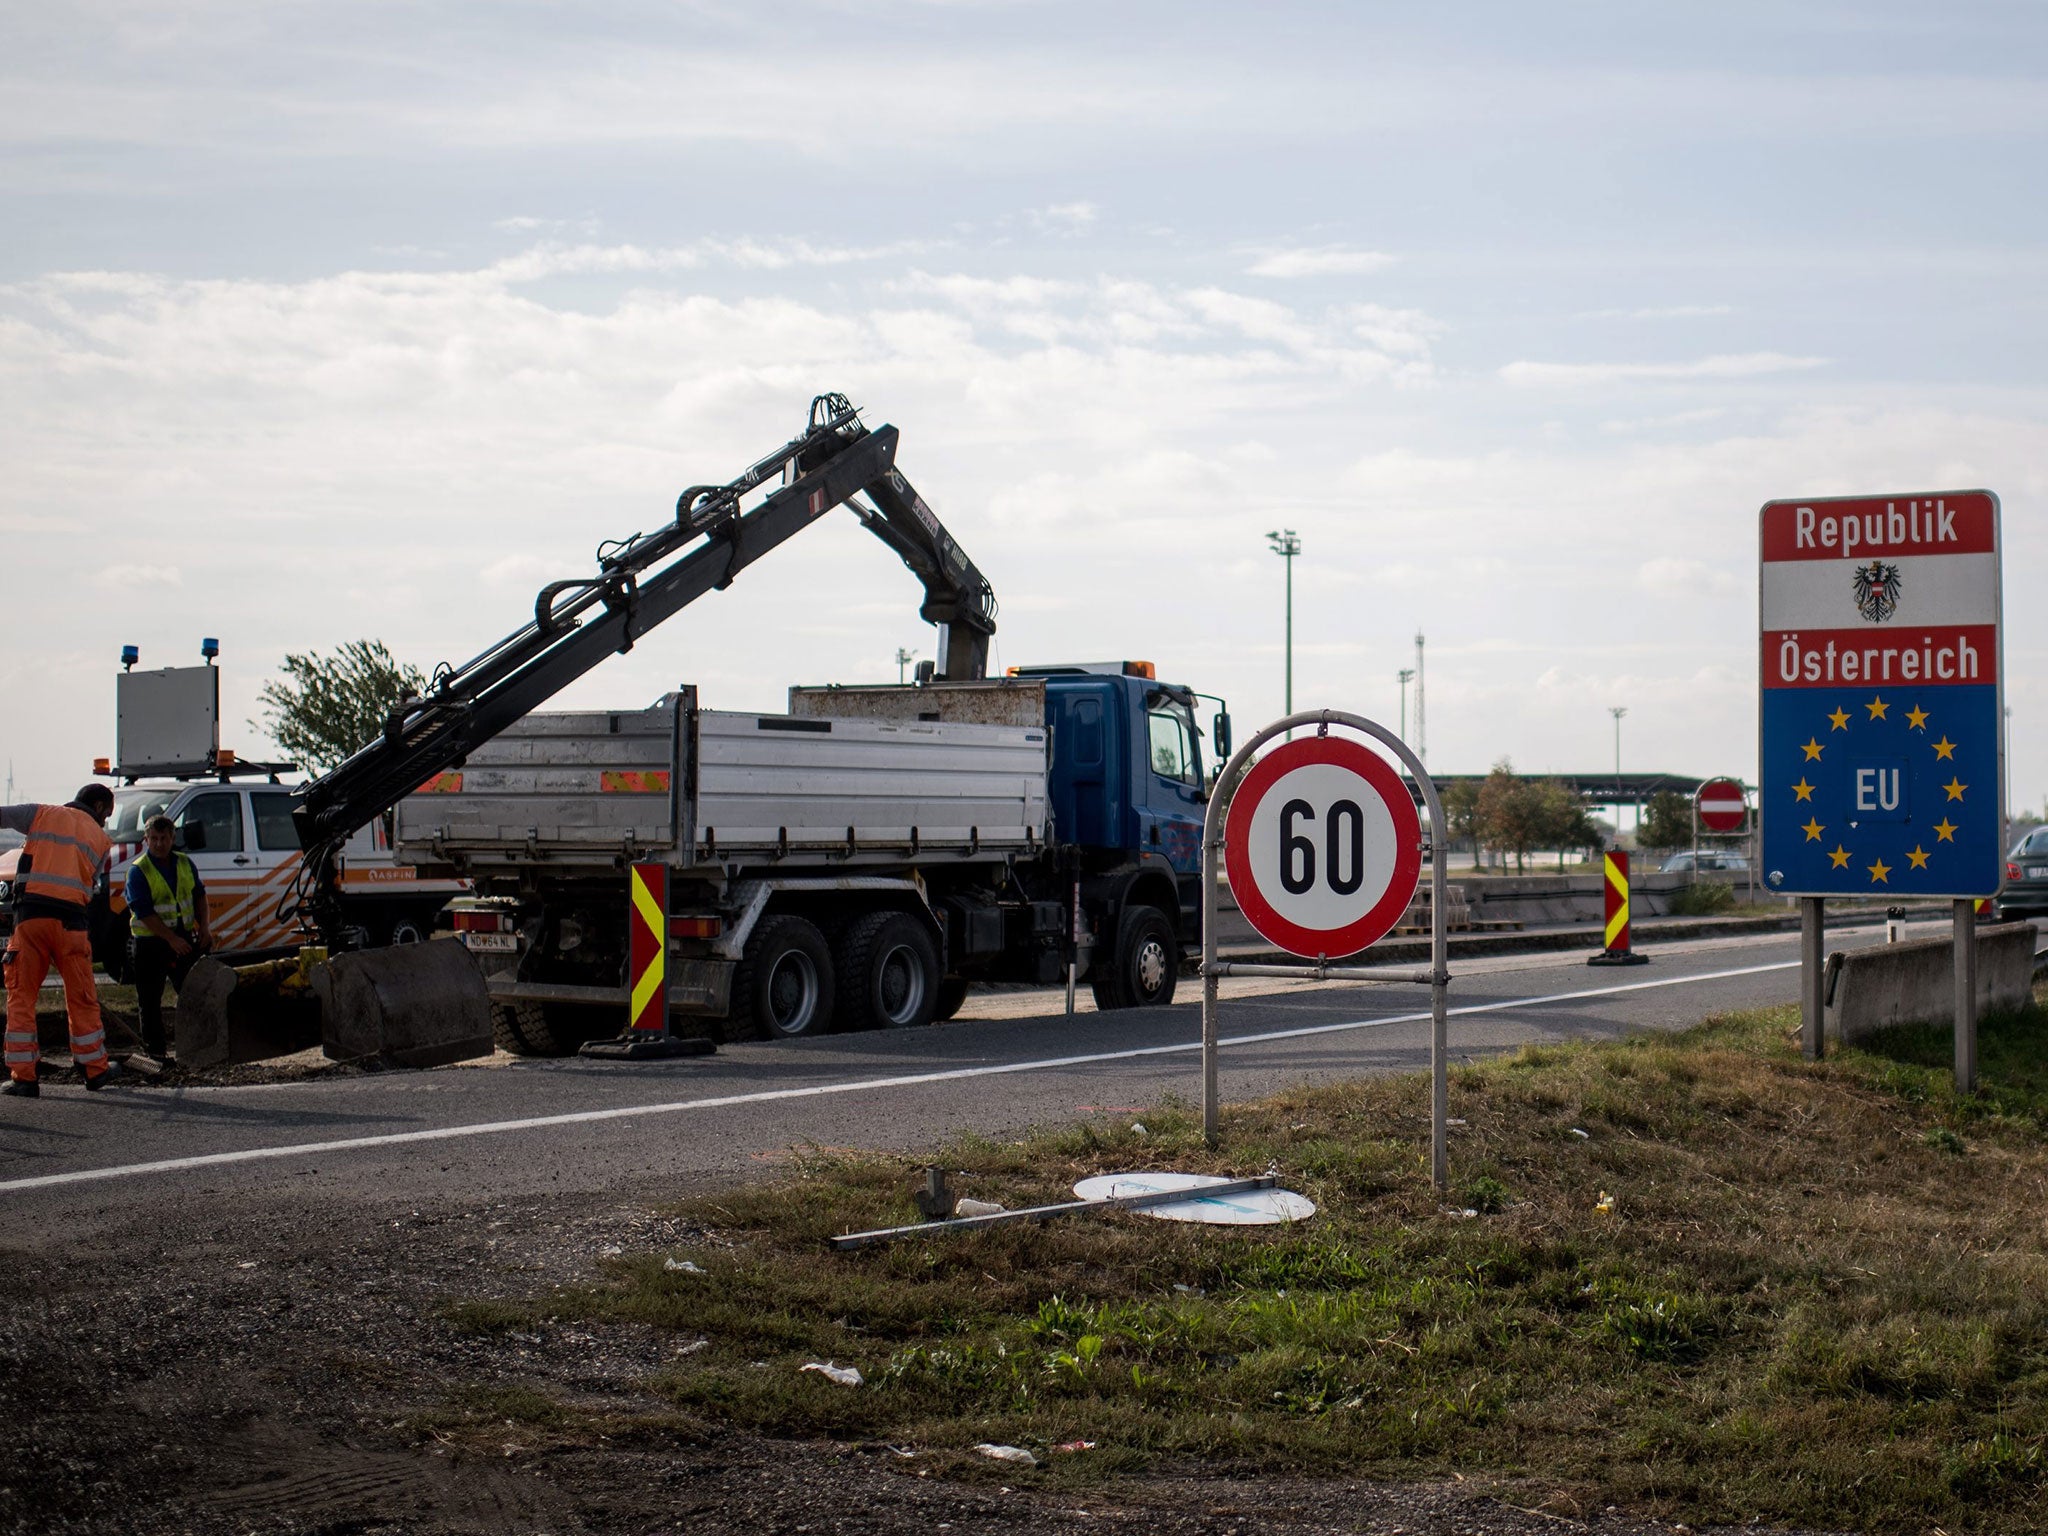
95, 794
160, 824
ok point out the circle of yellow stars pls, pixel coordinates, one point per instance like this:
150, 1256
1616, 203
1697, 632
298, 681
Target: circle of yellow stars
1944, 830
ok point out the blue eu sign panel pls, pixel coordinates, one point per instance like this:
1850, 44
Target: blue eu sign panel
1881, 760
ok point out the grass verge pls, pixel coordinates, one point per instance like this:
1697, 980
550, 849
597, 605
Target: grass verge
1692, 1274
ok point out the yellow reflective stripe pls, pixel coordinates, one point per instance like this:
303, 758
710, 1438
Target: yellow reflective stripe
44, 877
79, 843
645, 988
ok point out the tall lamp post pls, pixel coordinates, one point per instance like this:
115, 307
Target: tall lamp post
903, 659
1404, 674
1286, 543
1618, 710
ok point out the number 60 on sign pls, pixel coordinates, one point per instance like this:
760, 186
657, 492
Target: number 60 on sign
1324, 847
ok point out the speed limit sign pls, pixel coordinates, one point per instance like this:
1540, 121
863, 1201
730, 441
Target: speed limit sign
1324, 846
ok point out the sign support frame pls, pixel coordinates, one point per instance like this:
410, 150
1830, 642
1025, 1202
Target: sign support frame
1437, 977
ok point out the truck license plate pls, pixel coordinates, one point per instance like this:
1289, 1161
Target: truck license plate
496, 942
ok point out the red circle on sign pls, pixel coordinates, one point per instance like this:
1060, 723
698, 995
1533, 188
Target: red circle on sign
1723, 806
1260, 909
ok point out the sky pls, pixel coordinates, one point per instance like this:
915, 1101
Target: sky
327, 322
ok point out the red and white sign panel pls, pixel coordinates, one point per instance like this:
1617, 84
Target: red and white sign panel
1722, 805
1324, 846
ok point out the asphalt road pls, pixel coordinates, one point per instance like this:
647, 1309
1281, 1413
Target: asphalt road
75, 1162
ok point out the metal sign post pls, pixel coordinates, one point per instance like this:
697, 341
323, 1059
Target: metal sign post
1881, 754
1325, 856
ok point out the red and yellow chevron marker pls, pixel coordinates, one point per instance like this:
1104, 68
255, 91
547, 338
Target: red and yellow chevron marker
1617, 951
647, 957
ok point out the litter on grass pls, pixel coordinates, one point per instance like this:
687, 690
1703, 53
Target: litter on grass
1015, 1453
845, 1375
1237, 1208
967, 1207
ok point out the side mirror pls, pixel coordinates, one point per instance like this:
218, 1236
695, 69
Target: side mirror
192, 835
1219, 733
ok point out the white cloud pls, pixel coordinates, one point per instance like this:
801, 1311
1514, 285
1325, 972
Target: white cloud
1320, 261
119, 578
1668, 576
1064, 218
1735, 365
1666, 312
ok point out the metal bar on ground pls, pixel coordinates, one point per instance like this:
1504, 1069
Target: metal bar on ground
1065, 1208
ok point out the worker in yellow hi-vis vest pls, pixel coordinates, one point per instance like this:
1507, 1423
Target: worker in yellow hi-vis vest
167, 919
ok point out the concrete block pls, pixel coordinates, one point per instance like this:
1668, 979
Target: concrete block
1914, 983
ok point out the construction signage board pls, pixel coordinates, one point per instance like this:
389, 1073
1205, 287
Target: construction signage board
1881, 764
1324, 846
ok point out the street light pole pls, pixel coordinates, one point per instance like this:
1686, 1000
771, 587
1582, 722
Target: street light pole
903, 658
1286, 543
1404, 674
1618, 710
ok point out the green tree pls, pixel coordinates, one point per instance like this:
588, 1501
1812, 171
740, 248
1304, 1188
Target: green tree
325, 707
1507, 815
1667, 823
1461, 805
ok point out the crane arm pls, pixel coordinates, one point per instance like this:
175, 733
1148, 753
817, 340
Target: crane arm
640, 582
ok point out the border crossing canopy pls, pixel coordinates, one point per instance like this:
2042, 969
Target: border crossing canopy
1881, 767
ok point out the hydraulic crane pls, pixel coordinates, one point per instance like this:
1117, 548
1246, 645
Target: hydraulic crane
578, 622
640, 581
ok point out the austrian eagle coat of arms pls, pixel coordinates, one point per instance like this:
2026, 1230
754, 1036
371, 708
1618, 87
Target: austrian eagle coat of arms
1877, 591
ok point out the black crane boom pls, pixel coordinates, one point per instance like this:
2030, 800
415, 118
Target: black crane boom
578, 622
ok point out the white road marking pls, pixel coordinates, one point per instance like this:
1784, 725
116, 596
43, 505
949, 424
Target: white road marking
822, 1090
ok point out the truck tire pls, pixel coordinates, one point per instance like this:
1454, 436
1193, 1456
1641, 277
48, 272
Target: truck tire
1146, 964
888, 972
544, 1029
405, 930
952, 993
782, 988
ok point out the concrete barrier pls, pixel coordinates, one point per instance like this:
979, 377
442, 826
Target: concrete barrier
1914, 983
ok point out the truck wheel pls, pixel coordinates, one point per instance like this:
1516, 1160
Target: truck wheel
405, 930
543, 1029
1142, 972
782, 988
888, 971
952, 993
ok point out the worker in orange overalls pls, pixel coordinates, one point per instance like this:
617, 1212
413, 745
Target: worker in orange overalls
59, 863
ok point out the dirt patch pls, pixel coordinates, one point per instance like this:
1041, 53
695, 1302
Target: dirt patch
286, 1364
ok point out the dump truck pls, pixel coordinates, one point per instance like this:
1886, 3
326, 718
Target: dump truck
855, 862
858, 860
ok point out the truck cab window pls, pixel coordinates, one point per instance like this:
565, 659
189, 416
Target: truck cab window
221, 816
1172, 753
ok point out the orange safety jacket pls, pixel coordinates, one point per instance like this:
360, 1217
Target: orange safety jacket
63, 852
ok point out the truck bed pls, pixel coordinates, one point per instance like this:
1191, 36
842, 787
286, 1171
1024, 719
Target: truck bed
703, 788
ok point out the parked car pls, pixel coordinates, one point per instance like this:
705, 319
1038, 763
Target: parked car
2026, 877
1708, 859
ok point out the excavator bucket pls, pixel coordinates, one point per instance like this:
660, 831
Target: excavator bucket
229, 1014
412, 1005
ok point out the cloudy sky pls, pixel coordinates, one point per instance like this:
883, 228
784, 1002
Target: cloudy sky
329, 321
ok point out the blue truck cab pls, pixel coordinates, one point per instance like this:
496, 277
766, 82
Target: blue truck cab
1129, 787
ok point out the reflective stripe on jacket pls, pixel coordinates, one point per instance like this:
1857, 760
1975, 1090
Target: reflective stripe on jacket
177, 908
64, 850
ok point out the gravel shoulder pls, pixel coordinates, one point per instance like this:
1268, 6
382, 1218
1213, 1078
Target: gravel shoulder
285, 1366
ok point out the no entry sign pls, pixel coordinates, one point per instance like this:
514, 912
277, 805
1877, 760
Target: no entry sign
1324, 846
1722, 806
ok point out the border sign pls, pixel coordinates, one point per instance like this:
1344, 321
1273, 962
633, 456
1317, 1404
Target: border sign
1881, 768
1324, 847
